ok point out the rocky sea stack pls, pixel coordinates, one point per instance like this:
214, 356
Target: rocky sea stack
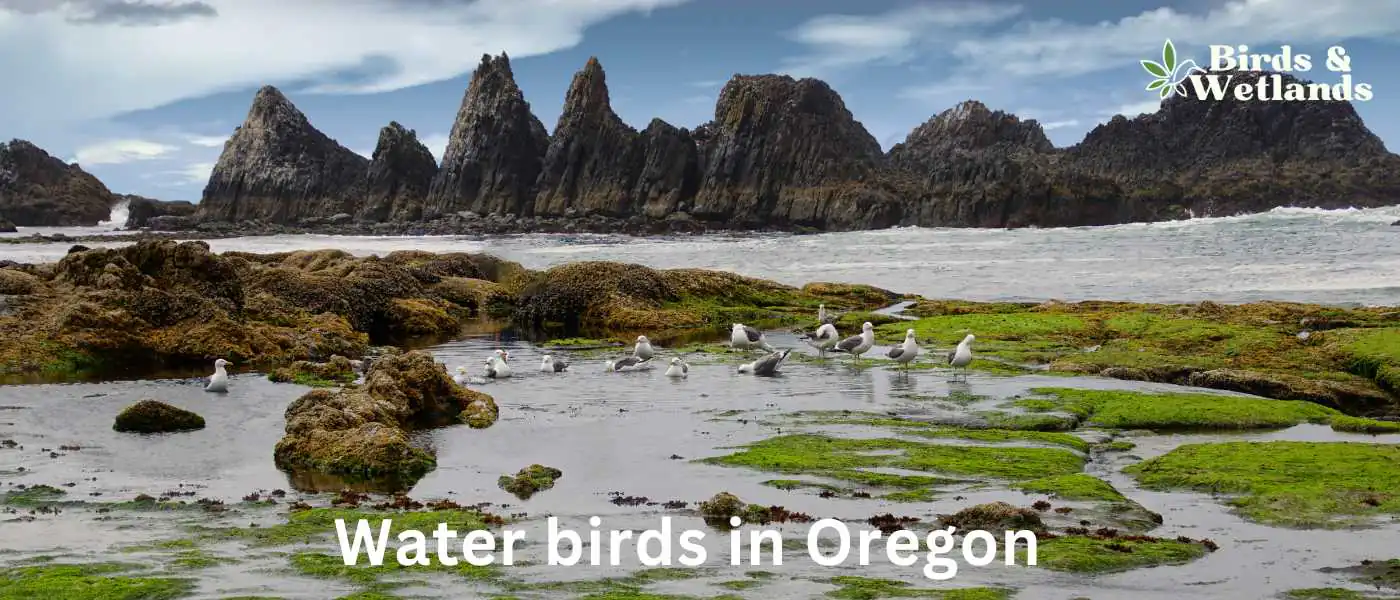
38, 190
786, 153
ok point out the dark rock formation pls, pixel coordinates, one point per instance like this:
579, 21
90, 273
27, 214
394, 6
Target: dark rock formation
6, 226
784, 153
37, 189
141, 210
399, 177
593, 159
495, 150
153, 416
279, 168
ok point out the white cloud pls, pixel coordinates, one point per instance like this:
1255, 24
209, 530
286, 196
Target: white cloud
62, 72
1053, 125
708, 83
1134, 109
207, 141
193, 173
837, 42
1057, 49
946, 92
436, 143
115, 152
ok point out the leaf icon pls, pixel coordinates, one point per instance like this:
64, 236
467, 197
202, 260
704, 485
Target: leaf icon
1166, 91
1169, 56
1156, 69
1156, 84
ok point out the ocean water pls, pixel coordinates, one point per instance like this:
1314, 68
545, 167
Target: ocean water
1306, 255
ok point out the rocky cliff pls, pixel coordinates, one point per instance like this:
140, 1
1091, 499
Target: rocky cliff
398, 177
280, 169
37, 189
784, 152
495, 150
142, 211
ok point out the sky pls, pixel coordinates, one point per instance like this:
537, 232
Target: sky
143, 93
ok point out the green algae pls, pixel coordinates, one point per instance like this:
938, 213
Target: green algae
852, 460
1077, 486
1184, 411
1028, 422
935, 430
33, 496
1296, 484
1326, 594
529, 481
867, 588
1347, 424
1083, 554
318, 524
332, 566
94, 581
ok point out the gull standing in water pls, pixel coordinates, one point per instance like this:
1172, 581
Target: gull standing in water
857, 345
768, 365
643, 349
678, 368
218, 382
743, 337
549, 364
630, 363
905, 353
823, 338
496, 367
961, 356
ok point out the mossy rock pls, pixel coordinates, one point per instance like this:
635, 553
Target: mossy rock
17, 283
994, 516
338, 370
154, 416
530, 481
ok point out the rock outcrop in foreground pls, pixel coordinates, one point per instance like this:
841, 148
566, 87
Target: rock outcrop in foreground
786, 153
361, 432
38, 190
154, 416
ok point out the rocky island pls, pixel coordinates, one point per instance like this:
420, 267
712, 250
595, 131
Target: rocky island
779, 153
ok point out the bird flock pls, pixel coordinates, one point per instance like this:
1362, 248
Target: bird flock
742, 337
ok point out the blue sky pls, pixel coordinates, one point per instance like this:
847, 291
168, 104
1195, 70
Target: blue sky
143, 93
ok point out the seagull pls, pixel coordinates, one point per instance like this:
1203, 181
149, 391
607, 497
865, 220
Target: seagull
905, 353
496, 367
643, 350
677, 369
743, 337
630, 363
823, 339
503, 355
461, 378
960, 357
549, 365
857, 345
768, 365
218, 382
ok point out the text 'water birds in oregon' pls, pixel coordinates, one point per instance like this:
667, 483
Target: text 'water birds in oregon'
905, 353
743, 337
218, 382
768, 365
549, 364
643, 349
678, 368
857, 345
823, 338
961, 356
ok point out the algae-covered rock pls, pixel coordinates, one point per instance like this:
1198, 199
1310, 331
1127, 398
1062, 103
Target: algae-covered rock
722, 506
154, 416
362, 433
994, 516
337, 370
14, 282
530, 480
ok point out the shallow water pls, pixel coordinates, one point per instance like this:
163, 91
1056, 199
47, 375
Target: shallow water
613, 434
1306, 255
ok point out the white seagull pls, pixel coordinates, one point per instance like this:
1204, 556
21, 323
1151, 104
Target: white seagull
643, 349
496, 367
857, 345
218, 382
549, 364
743, 337
461, 378
905, 353
961, 356
823, 338
677, 369
630, 363
768, 365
